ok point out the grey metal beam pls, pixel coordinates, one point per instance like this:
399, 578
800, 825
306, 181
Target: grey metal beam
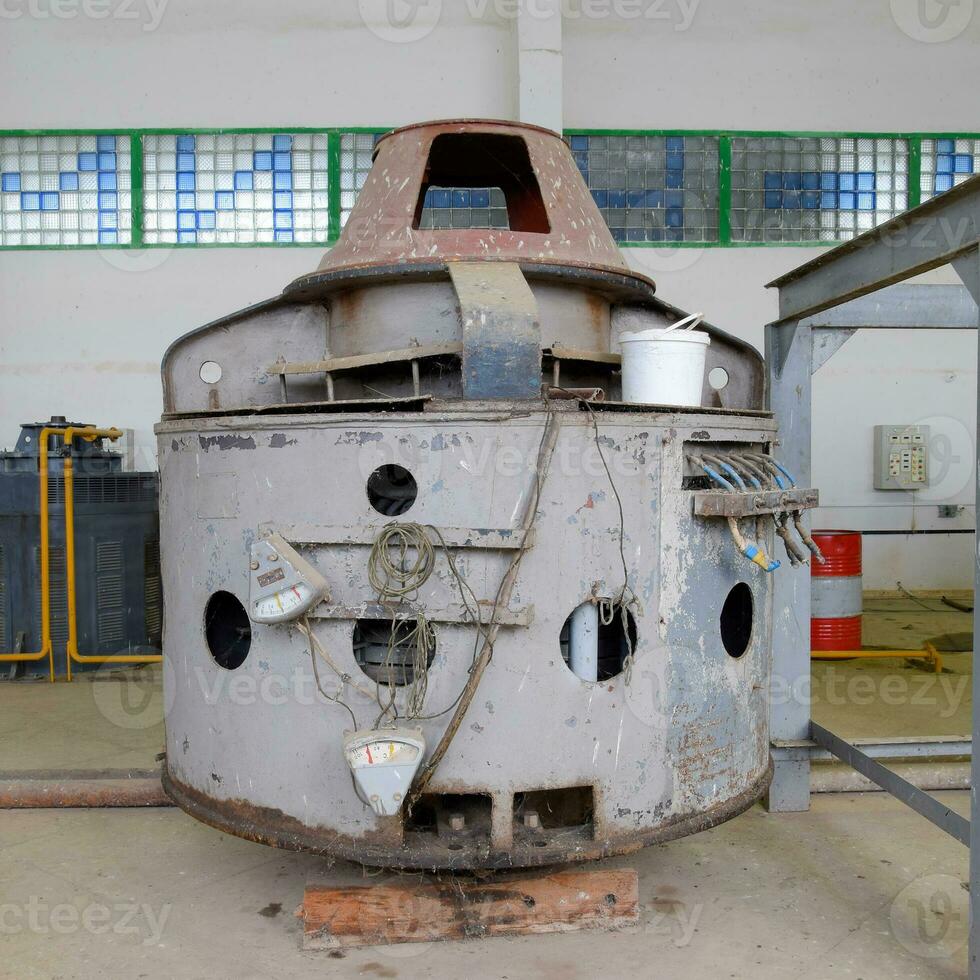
826, 343
929, 236
789, 357
928, 806
939, 747
903, 307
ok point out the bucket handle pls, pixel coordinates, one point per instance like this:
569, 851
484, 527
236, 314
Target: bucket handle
688, 323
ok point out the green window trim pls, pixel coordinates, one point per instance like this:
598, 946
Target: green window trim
334, 134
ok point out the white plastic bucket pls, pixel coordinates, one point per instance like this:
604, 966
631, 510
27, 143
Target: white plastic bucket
663, 366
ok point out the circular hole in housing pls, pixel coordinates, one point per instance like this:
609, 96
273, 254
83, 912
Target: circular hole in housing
611, 644
718, 378
227, 630
391, 652
736, 620
210, 372
391, 489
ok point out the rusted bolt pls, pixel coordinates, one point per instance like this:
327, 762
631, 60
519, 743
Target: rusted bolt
531, 820
457, 821
254, 565
273, 556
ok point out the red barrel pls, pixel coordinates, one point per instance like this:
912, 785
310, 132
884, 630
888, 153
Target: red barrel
835, 597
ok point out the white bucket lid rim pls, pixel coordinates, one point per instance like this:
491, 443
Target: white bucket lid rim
661, 335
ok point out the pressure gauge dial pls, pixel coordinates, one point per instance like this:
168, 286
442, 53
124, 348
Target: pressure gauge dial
384, 762
282, 585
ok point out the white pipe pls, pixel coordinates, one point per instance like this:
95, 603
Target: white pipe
583, 642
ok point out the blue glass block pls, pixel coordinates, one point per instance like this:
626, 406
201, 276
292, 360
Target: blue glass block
792, 181
619, 234
635, 199
262, 160
224, 200
107, 237
600, 198
427, 200
282, 220
617, 199
635, 235
791, 199
582, 161
11, 182
944, 163
442, 198
579, 142
186, 221
68, 181
828, 181
461, 198
772, 181
674, 199
30, 201
243, 180
828, 200
185, 182
945, 146
107, 220
675, 161
675, 217
480, 197
866, 181
866, 201
107, 161
105, 144
963, 163
284, 236
655, 235
282, 200
811, 200
88, 161
675, 178
186, 237
107, 182
848, 182
282, 161
675, 144
185, 162
282, 142
848, 200
674, 235
107, 201
655, 199
282, 180
185, 144
811, 181
186, 201
205, 219
49, 201
944, 182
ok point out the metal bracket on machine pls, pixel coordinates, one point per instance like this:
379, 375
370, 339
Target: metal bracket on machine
754, 503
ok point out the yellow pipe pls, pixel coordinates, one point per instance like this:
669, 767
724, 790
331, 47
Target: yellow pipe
47, 649
89, 434
930, 653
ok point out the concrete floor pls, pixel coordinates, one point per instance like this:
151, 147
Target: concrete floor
848, 890
831, 893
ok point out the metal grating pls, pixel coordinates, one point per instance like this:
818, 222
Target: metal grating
4, 641
152, 592
109, 592
828, 189
653, 188
120, 488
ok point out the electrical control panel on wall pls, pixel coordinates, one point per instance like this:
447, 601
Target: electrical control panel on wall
901, 457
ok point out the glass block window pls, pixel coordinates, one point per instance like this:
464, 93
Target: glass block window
464, 207
802, 189
65, 190
355, 164
232, 188
946, 163
653, 188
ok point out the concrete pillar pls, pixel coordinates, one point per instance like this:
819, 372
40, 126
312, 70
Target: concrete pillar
539, 63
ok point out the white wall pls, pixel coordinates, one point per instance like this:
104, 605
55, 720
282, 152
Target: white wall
81, 333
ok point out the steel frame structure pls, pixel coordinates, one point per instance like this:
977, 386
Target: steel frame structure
860, 285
